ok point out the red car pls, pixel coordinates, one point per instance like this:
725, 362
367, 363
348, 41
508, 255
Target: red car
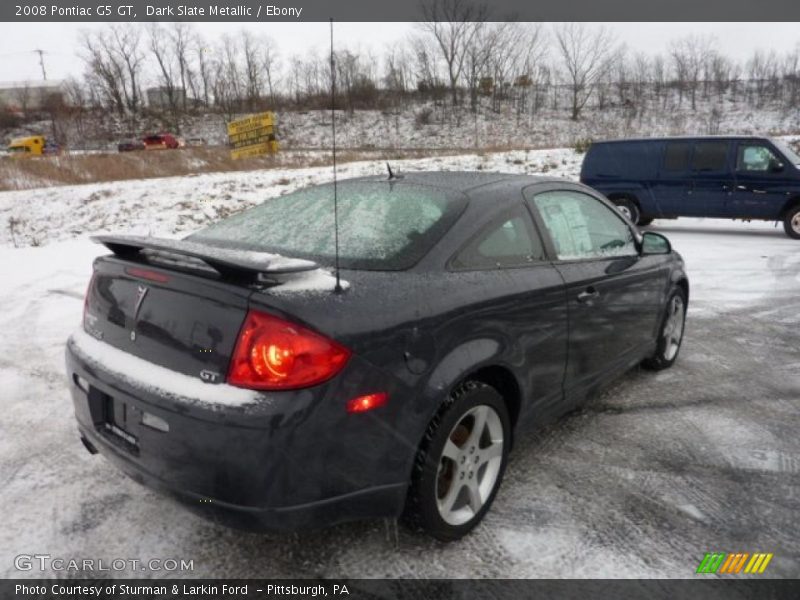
160, 141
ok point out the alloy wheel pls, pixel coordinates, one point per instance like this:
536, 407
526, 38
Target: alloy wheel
673, 327
470, 464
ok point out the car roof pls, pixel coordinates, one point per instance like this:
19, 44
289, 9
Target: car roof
681, 138
461, 181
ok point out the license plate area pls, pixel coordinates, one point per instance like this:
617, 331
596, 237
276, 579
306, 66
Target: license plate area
114, 419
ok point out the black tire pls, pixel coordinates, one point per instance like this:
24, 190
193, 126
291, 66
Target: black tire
666, 354
629, 208
644, 221
791, 222
422, 510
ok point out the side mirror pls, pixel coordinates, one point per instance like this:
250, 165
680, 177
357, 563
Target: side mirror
776, 166
655, 243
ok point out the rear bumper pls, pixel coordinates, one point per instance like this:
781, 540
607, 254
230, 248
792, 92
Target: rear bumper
295, 460
378, 501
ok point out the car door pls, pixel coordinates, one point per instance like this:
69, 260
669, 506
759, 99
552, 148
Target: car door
613, 297
712, 180
512, 288
761, 181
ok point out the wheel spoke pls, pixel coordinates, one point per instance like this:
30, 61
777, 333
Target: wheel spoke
493, 451
479, 425
446, 503
474, 495
450, 450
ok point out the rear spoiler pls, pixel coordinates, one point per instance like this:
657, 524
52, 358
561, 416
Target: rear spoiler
229, 262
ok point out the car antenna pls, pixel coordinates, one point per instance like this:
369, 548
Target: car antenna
392, 175
338, 288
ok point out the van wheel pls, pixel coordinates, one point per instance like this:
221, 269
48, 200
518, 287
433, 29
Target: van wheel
644, 221
628, 208
460, 463
791, 222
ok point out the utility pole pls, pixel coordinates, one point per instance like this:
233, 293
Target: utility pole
41, 54
41, 62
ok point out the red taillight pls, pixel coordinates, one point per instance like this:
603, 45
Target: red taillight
147, 274
368, 402
273, 354
86, 298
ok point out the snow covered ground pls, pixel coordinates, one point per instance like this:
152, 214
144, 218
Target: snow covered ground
640, 483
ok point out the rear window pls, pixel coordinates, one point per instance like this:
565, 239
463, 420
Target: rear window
710, 156
631, 160
382, 225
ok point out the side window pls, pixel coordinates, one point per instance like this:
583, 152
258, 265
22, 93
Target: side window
710, 156
583, 227
755, 158
676, 156
506, 243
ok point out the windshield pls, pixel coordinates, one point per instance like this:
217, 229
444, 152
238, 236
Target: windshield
787, 151
383, 226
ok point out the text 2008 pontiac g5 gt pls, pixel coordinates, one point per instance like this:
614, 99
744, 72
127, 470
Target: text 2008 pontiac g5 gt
228, 370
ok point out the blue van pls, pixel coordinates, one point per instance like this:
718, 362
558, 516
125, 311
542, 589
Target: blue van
736, 177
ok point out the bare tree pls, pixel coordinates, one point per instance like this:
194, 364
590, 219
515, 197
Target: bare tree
453, 24
180, 35
162, 52
689, 56
252, 69
103, 72
587, 56
205, 70
128, 52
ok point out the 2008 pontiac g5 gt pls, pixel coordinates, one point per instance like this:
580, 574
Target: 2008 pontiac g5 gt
230, 371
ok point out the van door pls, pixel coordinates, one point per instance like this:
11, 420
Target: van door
711, 189
761, 181
674, 178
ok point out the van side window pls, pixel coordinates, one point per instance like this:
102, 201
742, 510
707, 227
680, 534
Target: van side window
676, 156
710, 156
755, 158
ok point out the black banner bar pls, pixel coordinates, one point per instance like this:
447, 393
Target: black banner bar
370, 10
739, 588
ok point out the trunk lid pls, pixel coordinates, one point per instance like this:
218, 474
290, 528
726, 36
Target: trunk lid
177, 304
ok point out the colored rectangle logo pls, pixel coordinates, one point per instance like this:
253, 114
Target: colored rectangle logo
733, 563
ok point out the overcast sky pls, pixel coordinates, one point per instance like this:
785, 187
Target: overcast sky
59, 40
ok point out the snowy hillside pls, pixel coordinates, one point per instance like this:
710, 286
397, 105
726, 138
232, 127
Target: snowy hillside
183, 204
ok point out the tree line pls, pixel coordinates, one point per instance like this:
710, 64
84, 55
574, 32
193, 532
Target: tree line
455, 57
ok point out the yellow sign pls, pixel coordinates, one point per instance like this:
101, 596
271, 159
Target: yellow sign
253, 135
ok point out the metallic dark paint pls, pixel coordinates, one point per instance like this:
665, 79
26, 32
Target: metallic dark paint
297, 458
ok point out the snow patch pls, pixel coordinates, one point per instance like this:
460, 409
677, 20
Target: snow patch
154, 378
318, 280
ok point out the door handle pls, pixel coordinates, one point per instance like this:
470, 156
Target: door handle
759, 191
741, 187
588, 294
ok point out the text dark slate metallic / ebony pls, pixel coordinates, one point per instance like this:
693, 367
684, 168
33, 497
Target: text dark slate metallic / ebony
223, 370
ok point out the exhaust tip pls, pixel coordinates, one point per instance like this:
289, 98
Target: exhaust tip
88, 445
